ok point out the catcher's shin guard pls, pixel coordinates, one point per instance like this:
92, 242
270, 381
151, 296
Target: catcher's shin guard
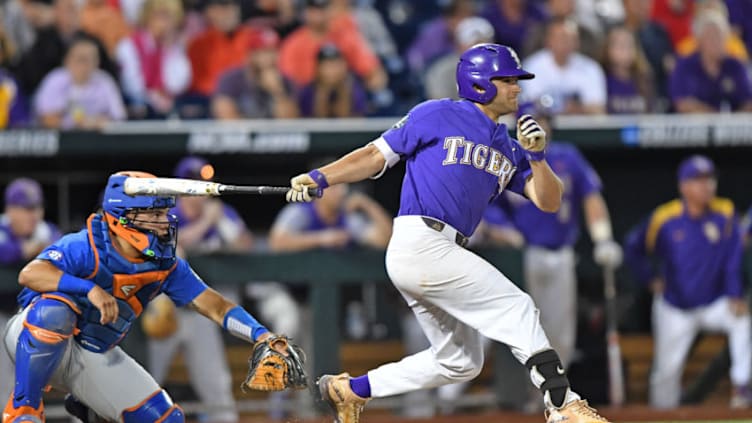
23, 413
41, 345
345, 403
156, 408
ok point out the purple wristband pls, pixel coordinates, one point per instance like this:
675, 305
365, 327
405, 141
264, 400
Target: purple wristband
74, 285
319, 178
535, 156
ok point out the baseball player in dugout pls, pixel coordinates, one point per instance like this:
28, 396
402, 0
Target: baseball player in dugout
458, 159
698, 285
80, 297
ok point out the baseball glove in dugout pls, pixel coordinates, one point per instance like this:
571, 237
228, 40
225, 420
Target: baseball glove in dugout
275, 365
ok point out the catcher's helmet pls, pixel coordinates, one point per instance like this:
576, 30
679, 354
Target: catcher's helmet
482, 62
117, 204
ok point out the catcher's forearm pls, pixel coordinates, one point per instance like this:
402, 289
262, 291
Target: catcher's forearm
240, 323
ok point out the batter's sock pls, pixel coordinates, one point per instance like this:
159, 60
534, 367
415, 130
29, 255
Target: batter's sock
361, 386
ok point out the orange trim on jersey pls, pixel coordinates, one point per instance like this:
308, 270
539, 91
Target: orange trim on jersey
141, 404
93, 248
45, 335
166, 414
125, 287
62, 299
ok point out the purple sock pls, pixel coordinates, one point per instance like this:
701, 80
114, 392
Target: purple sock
361, 386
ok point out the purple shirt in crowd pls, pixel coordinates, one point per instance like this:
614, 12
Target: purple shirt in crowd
551, 230
99, 96
11, 246
623, 97
358, 105
252, 101
458, 161
730, 89
13, 104
513, 34
433, 41
219, 236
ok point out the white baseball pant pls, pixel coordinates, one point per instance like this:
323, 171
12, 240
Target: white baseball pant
675, 329
107, 382
456, 296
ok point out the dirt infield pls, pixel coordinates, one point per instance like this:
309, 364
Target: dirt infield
628, 414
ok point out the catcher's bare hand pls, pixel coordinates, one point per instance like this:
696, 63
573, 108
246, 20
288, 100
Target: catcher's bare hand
298, 192
530, 135
105, 303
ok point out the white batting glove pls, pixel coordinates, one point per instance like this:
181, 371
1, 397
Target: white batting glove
608, 254
298, 192
530, 135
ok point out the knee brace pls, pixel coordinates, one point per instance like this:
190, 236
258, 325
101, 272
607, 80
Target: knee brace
549, 376
41, 344
157, 408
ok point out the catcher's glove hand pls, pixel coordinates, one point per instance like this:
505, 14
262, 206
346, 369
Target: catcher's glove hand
160, 319
275, 365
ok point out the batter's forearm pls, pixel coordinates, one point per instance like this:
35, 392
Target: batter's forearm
547, 187
355, 166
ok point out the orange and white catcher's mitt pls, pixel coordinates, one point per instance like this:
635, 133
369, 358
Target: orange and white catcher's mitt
275, 365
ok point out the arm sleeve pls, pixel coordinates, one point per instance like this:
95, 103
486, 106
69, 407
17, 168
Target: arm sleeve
636, 255
183, 284
72, 254
733, 270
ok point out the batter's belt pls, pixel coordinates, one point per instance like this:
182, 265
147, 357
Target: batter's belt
439, 226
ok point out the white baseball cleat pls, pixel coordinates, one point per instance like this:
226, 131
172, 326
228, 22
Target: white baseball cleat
574, 412
345, 403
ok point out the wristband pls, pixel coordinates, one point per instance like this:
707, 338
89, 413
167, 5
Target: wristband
535, 156
319, 178
240, 323
74, 285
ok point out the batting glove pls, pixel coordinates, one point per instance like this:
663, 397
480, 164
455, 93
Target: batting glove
298, 192
531, 137
608, 254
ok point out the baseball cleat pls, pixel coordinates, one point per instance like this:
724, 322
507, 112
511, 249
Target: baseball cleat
345, 403
574, 412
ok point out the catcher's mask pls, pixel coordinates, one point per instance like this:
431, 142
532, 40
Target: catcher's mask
155, 239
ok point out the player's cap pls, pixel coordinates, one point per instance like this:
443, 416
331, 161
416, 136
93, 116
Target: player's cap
328, 51
24, 192
263, 39
696, 166
318, 3
474, 30
194, 167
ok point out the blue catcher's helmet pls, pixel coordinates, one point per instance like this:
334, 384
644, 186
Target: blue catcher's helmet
117, 205
483, 62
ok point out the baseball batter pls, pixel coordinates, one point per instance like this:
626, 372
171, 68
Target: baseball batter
458, 160
80, 298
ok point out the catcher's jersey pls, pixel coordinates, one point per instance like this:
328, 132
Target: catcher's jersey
89, 254
551, 230
458, 160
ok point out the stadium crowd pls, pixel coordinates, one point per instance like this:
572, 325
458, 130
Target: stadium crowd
82, 63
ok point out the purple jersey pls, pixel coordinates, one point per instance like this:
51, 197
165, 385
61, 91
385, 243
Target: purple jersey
229, 227
623, 97
730, 89
510, 33
458, 160
700, 258
551, 230
11, 246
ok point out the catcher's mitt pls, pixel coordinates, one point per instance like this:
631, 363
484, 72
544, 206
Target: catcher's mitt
275, 365
160, 319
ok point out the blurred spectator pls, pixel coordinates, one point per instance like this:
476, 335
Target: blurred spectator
654, 42
566, 81
628, 78
14, 105
746, 226
734, 44
297, 56
436, 37
710, 81
514, 20
154, 64
699, 286
78, 95
739, 12
105, 23
675, 16
53, 40
256, 90
440, 79
222, 46
19, 18
23, 234
279, 15
590, 41
335, 92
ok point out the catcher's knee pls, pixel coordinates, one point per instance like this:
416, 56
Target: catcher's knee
51, 320
157, 408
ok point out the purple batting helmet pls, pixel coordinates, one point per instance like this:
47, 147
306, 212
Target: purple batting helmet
482, 62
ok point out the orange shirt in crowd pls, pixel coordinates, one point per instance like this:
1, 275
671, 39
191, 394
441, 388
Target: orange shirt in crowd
106, 23
213, 52
297, 56
678, 23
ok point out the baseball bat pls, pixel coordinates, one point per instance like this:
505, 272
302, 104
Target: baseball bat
615, 375
191, 187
